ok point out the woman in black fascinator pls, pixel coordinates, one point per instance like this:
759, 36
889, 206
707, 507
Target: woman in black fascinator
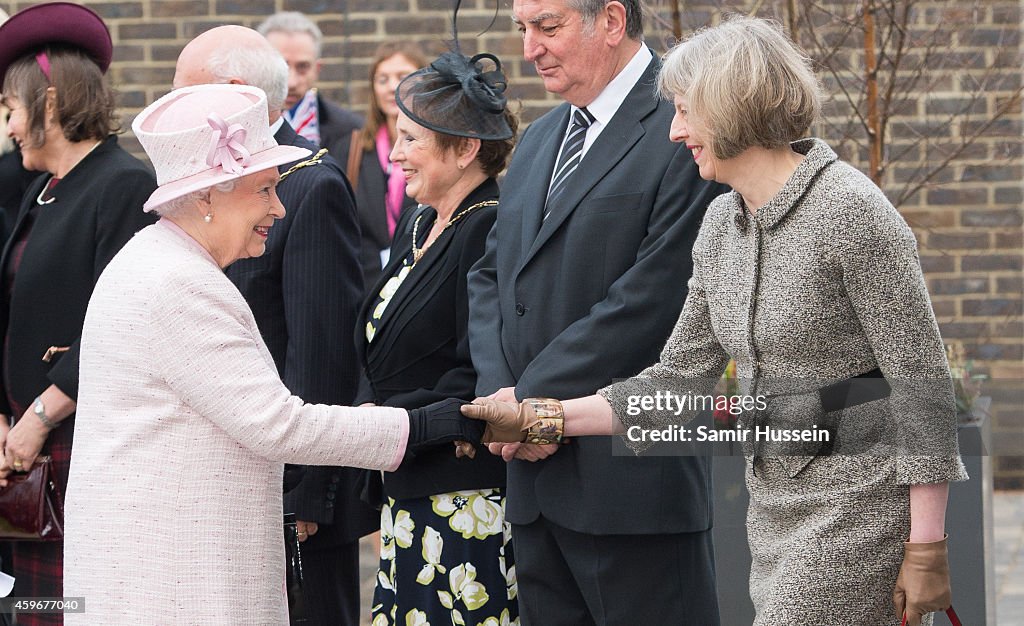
446, 553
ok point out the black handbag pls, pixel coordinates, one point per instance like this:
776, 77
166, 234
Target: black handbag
31, 509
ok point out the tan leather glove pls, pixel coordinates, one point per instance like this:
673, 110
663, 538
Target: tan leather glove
923, 584
506, 422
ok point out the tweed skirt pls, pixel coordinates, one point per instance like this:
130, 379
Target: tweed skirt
827, 544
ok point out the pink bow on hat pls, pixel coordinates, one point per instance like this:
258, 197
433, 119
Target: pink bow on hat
226, 147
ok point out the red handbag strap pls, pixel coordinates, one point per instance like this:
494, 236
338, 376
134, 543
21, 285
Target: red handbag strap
954, 619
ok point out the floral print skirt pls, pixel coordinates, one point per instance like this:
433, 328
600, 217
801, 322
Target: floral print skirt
446, 560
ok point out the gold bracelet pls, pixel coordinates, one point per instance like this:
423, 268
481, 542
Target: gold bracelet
550, 421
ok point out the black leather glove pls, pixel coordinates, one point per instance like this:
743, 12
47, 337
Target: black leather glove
441, 422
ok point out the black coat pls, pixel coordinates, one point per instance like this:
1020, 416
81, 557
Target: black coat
420, 352
304, 292
562, 307
98, 208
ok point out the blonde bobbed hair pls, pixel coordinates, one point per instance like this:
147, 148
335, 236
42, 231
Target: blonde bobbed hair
748, 82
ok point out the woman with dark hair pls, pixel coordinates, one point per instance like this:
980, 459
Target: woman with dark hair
378, 185
445, 549
72, 221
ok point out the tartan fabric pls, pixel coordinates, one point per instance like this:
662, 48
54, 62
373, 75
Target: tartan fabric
38, 566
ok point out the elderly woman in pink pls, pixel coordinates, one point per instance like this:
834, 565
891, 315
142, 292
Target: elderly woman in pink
173, 512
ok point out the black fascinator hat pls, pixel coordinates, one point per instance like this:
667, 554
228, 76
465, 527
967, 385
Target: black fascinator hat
457, 95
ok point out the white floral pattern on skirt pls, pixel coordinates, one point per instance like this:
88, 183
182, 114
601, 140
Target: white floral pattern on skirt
446, 559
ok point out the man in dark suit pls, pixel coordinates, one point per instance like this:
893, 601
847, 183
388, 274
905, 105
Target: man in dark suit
584, 276
324, 123
304, 292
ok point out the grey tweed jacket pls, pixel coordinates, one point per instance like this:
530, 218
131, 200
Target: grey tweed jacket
822, 284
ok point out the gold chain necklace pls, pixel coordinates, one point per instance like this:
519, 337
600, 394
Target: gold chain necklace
316, 159
417, 253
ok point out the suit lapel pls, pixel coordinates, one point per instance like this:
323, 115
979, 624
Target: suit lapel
534, 195
614, 142
409, 298
416, 291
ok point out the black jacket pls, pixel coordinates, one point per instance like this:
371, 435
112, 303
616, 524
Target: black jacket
98, 208
420, 352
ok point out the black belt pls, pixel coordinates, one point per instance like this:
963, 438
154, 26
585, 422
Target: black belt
850, 392
860, 389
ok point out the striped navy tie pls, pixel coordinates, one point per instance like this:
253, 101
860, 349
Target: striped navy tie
572, 149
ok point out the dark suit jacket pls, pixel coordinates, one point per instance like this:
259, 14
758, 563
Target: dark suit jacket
371, 191
563, 307
420, 353
304, 293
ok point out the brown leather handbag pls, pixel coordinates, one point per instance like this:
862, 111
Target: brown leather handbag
31, 509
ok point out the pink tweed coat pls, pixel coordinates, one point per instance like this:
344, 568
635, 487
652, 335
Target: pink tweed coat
173, 511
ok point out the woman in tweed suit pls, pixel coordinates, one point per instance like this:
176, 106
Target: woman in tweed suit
807, 276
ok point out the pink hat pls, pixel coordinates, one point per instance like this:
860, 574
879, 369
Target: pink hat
200, 136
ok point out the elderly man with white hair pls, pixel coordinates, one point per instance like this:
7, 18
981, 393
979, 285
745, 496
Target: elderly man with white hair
305, 293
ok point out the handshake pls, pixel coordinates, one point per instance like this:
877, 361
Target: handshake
534, 420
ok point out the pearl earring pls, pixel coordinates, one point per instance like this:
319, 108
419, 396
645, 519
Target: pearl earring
208, 218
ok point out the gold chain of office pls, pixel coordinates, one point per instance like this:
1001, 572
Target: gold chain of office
417, 253
316, 159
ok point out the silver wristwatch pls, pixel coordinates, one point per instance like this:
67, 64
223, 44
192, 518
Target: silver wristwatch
40, 411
